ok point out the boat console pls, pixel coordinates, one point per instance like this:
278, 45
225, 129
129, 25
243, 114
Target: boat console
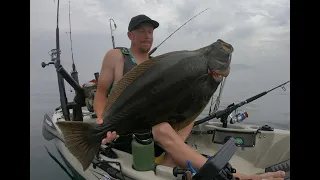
243, 137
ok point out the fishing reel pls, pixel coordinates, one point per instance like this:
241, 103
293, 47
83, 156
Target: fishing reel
53, 53
43, 64
232, 115
237, 116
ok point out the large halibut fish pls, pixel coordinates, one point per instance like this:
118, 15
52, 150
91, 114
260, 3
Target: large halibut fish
174, 87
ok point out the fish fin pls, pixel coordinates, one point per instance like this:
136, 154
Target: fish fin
80, 141
193, 105
126, 80
182, 124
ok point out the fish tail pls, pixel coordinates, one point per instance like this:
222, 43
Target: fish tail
80, 140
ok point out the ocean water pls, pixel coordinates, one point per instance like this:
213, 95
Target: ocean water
272, 109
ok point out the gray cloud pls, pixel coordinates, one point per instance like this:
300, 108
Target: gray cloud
258, 30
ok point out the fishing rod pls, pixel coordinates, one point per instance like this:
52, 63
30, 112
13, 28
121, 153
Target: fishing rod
62, 75
55, 57
223, 114
115, 27
74, 73
154, 49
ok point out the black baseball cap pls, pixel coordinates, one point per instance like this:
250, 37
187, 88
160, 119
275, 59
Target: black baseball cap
139, 19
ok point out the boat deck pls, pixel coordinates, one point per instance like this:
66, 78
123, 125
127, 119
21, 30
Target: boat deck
271, 148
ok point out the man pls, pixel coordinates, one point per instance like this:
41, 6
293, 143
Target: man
140, 33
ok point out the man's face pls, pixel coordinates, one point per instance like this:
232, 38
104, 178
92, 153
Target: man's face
142, 37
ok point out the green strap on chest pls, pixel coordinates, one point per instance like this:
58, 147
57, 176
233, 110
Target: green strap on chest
127, 51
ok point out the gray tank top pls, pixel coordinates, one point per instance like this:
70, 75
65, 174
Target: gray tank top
129, 62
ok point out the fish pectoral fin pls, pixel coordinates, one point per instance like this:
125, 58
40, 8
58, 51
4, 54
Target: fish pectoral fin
181, 117
188, 116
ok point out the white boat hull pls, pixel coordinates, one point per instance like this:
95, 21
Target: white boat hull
271, 147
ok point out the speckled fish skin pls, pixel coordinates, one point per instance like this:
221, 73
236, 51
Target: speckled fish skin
174, 87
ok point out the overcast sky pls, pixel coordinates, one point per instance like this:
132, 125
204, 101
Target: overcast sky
259, 30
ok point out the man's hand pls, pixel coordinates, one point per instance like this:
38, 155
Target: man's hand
110, 135
279, 175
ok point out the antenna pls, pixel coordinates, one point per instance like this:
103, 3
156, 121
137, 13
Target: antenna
115, 27
74, 73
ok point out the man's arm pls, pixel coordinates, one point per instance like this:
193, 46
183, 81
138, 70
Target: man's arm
105, 80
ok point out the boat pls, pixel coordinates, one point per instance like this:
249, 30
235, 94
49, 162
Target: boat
262, 149
230, 147
251, 149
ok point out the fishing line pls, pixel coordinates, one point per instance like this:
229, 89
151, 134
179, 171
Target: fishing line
217, 101
154, 49
73, 65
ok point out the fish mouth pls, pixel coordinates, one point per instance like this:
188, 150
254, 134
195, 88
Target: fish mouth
219, 74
